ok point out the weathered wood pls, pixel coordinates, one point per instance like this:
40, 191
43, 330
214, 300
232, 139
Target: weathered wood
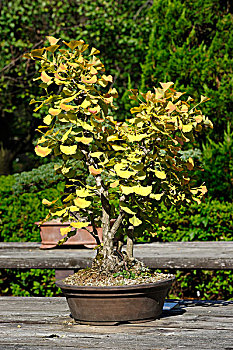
44, 323
174, 255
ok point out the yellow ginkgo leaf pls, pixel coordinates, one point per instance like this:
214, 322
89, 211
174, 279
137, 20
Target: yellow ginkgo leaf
135, 221
187, 128
52, 40
157, 196
66, 107
94, 51
114, 184
127, 209
45, 78
65, 230
112, 138
79, 224
142, 190
118, 148
68, 149
133, 138
85, 104
127, 189
42, 151
65, 136
46, 202
54, 111
171, 107
160, 174
59, 212
84, 140
108, 78
94, 171
47, 120
190, 164
89, 80
93, 70
166, 86
125, 174
198, 118
81, 203
94, 110
97, 154
83, 192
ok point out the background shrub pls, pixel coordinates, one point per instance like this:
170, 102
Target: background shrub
191, 43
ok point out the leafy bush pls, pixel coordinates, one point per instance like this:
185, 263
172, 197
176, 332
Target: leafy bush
217, 161
35, 180
203, 284
19, 213
191, 43
28, 283
208, 221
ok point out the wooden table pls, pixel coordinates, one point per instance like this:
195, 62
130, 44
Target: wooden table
44, 323
174, 255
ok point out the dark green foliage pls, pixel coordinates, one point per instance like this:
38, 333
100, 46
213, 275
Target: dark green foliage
18, 213
119, 29
208, 221
191, 43
35, 180
217, 161
28, 283
203, 284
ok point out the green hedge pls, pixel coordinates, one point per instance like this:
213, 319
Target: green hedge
190, 44
18, 213
211, 220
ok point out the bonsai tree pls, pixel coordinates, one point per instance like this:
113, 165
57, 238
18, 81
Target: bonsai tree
129, 167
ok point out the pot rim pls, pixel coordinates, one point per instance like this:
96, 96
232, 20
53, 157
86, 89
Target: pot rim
160, 283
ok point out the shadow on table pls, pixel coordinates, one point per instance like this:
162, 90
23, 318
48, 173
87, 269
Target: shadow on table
205, 303
178, 307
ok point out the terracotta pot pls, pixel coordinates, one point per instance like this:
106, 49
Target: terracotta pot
50, 235
118, 304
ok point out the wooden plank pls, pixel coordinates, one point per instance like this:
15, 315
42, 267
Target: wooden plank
174, 255
44, 323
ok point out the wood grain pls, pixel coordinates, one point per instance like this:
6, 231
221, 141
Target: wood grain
44, 323
174, 255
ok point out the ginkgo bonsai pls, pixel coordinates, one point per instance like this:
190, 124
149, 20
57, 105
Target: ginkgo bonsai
130, 167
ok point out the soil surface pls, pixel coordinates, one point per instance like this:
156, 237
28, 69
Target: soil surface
92, 277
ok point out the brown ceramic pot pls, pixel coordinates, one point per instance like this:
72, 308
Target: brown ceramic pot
50, 235
118, 304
